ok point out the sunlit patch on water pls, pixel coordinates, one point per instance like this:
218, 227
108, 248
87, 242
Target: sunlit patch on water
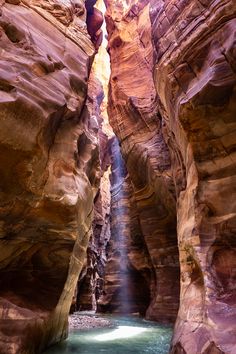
129, 336
120, 333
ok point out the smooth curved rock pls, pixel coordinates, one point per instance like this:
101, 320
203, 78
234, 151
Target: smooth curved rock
195, 82
172, 107
133, 112
180, 145
49, 168
91, 279
129, 275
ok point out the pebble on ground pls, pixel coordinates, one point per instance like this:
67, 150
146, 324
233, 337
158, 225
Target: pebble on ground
77, 321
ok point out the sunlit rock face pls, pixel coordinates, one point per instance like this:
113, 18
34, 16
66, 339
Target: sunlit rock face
133, 112
195, 82
50, 167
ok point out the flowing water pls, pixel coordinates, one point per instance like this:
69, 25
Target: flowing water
130, 335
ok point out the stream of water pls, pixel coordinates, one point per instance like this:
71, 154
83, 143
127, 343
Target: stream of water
130, 335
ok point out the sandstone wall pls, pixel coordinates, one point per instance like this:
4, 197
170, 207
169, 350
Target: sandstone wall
133, 111
91, 281
129, 276
49, 171
172, 106
195, 80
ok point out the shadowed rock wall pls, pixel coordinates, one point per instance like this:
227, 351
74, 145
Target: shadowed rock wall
129, 276
91, 279
49, 171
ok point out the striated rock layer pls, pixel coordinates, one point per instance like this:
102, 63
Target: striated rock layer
50, 166
172, 106
129, 275
133, 112
91, 279
195, 81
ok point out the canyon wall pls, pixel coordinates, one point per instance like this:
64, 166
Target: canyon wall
91, 281
50, 165
170, 218
129, 275
195, 79
172, 107
133, 112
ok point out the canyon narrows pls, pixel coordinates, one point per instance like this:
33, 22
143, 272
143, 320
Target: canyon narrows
134, 215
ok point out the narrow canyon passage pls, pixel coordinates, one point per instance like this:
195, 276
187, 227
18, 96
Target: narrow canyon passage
117, 175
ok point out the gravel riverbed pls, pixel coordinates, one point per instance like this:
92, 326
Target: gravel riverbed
81, 321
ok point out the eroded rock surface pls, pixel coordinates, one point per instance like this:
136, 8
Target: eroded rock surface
91, 279
129, 275
133, 111
195, 82
172, 106
49, 171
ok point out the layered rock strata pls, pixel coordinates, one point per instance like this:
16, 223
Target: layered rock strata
189, 107
92, 277
172, 107
129, 276
50, 167
91, 281
133, 112
195, 80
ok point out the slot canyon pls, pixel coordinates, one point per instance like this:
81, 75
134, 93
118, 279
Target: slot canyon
118, 170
